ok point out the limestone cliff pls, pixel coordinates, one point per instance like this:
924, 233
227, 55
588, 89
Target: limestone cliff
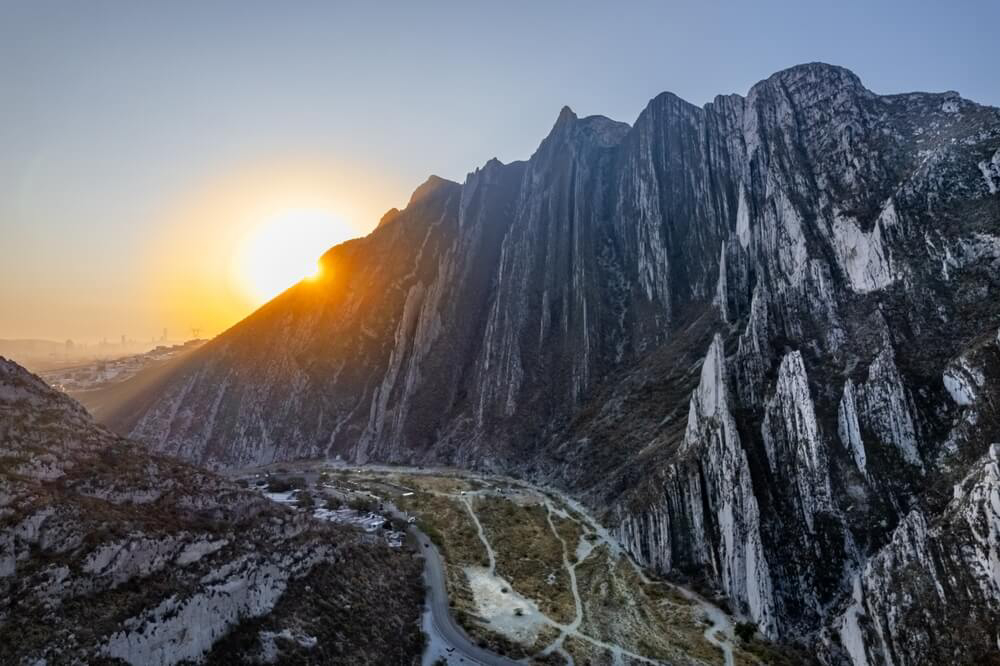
746, 331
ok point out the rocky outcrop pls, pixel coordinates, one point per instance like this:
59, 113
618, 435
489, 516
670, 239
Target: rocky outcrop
708, 516
107, 552
801, 271
931, 568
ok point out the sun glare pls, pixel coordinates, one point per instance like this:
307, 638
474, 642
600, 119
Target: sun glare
284, 249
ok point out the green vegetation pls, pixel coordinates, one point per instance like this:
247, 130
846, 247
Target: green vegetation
570, 531
283, 485
491, 640
333, 603
745, 631
305, 500
620, 607
528, 553
650, 619
585, 653
449, 526
361, 504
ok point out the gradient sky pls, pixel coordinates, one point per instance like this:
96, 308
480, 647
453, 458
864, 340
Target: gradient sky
140, 143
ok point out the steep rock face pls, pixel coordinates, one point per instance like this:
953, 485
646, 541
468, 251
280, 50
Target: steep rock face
109, 553
709, 516
800, 272
930, 569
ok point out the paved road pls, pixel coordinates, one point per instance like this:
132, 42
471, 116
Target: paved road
463, 650
441, 618
443, 624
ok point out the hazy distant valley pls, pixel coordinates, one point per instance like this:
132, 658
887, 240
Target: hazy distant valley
719, 387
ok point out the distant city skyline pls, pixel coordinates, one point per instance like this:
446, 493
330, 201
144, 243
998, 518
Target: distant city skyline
144, 146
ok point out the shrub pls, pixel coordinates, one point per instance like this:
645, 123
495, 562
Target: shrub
745, 631
360, 504
278, 486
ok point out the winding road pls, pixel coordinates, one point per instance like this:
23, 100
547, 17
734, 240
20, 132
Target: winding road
450, 642
438, 622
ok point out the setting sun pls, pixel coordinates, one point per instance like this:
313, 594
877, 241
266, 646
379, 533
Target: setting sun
284, 249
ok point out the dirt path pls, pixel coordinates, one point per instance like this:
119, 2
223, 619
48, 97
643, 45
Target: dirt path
573, 628
721, 628
719, 633
482, 535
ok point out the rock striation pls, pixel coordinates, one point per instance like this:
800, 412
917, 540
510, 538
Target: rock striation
761, 335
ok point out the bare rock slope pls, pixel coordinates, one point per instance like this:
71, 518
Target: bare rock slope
109, 554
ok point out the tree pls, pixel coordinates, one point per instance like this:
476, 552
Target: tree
745, 631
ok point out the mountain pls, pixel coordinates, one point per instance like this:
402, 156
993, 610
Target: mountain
110, 554
761, 336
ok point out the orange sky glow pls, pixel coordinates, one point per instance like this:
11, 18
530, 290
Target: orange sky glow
231, 247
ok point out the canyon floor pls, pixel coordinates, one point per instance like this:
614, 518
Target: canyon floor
530, 575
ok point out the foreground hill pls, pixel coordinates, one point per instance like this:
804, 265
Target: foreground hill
109, 554
760, 334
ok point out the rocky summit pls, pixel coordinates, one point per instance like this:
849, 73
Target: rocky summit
761, 337
111, 555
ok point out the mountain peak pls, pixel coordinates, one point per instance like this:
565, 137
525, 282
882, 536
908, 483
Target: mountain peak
388, 217
817, 73
600, 130
432, 185
566, 114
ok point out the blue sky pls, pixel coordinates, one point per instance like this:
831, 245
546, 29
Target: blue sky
115, 116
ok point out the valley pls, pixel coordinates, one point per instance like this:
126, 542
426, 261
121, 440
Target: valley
709, 383
757, 338
529, 574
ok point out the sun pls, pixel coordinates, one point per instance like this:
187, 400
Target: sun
283, 249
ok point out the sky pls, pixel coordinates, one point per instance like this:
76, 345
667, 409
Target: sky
151, 154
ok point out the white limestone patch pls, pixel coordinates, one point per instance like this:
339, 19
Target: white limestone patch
795, 451
743, 570
848, 428
122, 560
991, 172
43, 468
959, 550
743, 219
864, 257
722, 288
287, 497
793, 255
851, 635
51, 588
185, 627
193, 552
885, 407
962, 381
507, 612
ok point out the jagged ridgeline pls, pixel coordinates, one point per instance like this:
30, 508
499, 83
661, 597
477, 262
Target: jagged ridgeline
760, 335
